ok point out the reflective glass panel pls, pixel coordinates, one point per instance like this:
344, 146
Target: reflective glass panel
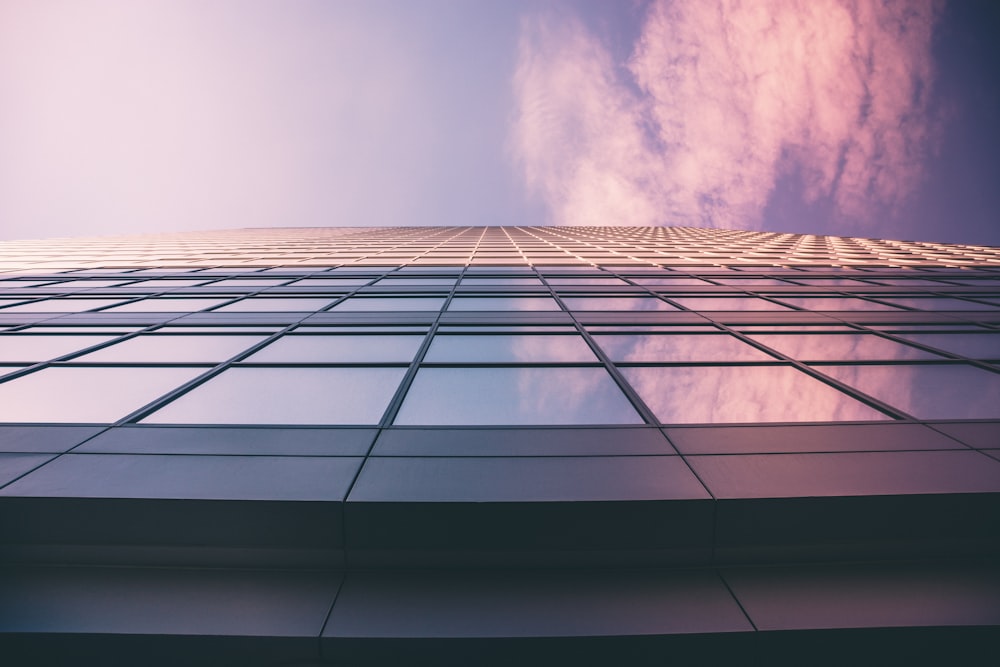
510, 348
945, 391
832, 303
167, 283
338, 349
742, 394
285, 396
669, 281
85, 284
250, 283
274, 305
331, 282
167, 305
726, 303
86, 395
389, 304
973, 346
678, 348
503, 303
62, 305
41, 347
511, 395
818, 347
586, 281
501, 281
416, 282
173, 348
937, 303
630, 303
750, 281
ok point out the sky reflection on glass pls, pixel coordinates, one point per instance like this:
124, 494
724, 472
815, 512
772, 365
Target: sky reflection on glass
61, 305
833, 303
378, 304
938, 391
735, 394
509, 348
678, 348
86, 395
174, 348
167, 305
339, 349
937, 303
831, 347
271, 305
973, 346
525, 395
28, 347
487, 303
726, 303
615, 303
285, 396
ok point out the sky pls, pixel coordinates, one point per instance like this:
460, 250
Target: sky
843, 117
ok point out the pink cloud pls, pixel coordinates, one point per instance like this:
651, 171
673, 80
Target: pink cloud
717, 101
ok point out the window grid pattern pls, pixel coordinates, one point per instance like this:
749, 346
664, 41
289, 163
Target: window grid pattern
638, 320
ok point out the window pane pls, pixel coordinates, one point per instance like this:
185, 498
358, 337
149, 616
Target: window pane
938, 303
390, 304
286, 396
952, 391
726, 303
167, 305
61, 305
501, 281
833, 303
974, 346
678, 348
503, 396
86, 395
510, 348
615, 303
416, 282
338, 349
174, 348
30, 347
840, 347
266, 305
503, 303
738, 394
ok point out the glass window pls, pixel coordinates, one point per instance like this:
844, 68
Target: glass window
250, 283
726, 303
669, 281
285, 396
847, 347
167, 305
331, 282
510, 348
937, 303
742, 394
750, 281
515, 395
500, 281
389, 304
630, 303
932, 391
274, 305
338, 349
62, 305
587, 281
173, 348
41, 347
971, 345
503, 303
86, 395
416, 282
168, 283
833, 303
678, 348
85, 284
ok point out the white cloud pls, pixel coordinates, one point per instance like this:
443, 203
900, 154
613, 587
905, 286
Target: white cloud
718, 100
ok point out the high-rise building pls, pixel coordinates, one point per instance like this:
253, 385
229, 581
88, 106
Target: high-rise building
509, 445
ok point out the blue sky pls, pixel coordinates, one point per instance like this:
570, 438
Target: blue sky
826, 116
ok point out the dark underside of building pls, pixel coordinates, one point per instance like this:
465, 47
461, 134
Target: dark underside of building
498, 445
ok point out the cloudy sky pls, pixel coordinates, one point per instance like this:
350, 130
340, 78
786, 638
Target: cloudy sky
848, 117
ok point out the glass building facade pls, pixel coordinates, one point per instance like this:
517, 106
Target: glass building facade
443, 444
